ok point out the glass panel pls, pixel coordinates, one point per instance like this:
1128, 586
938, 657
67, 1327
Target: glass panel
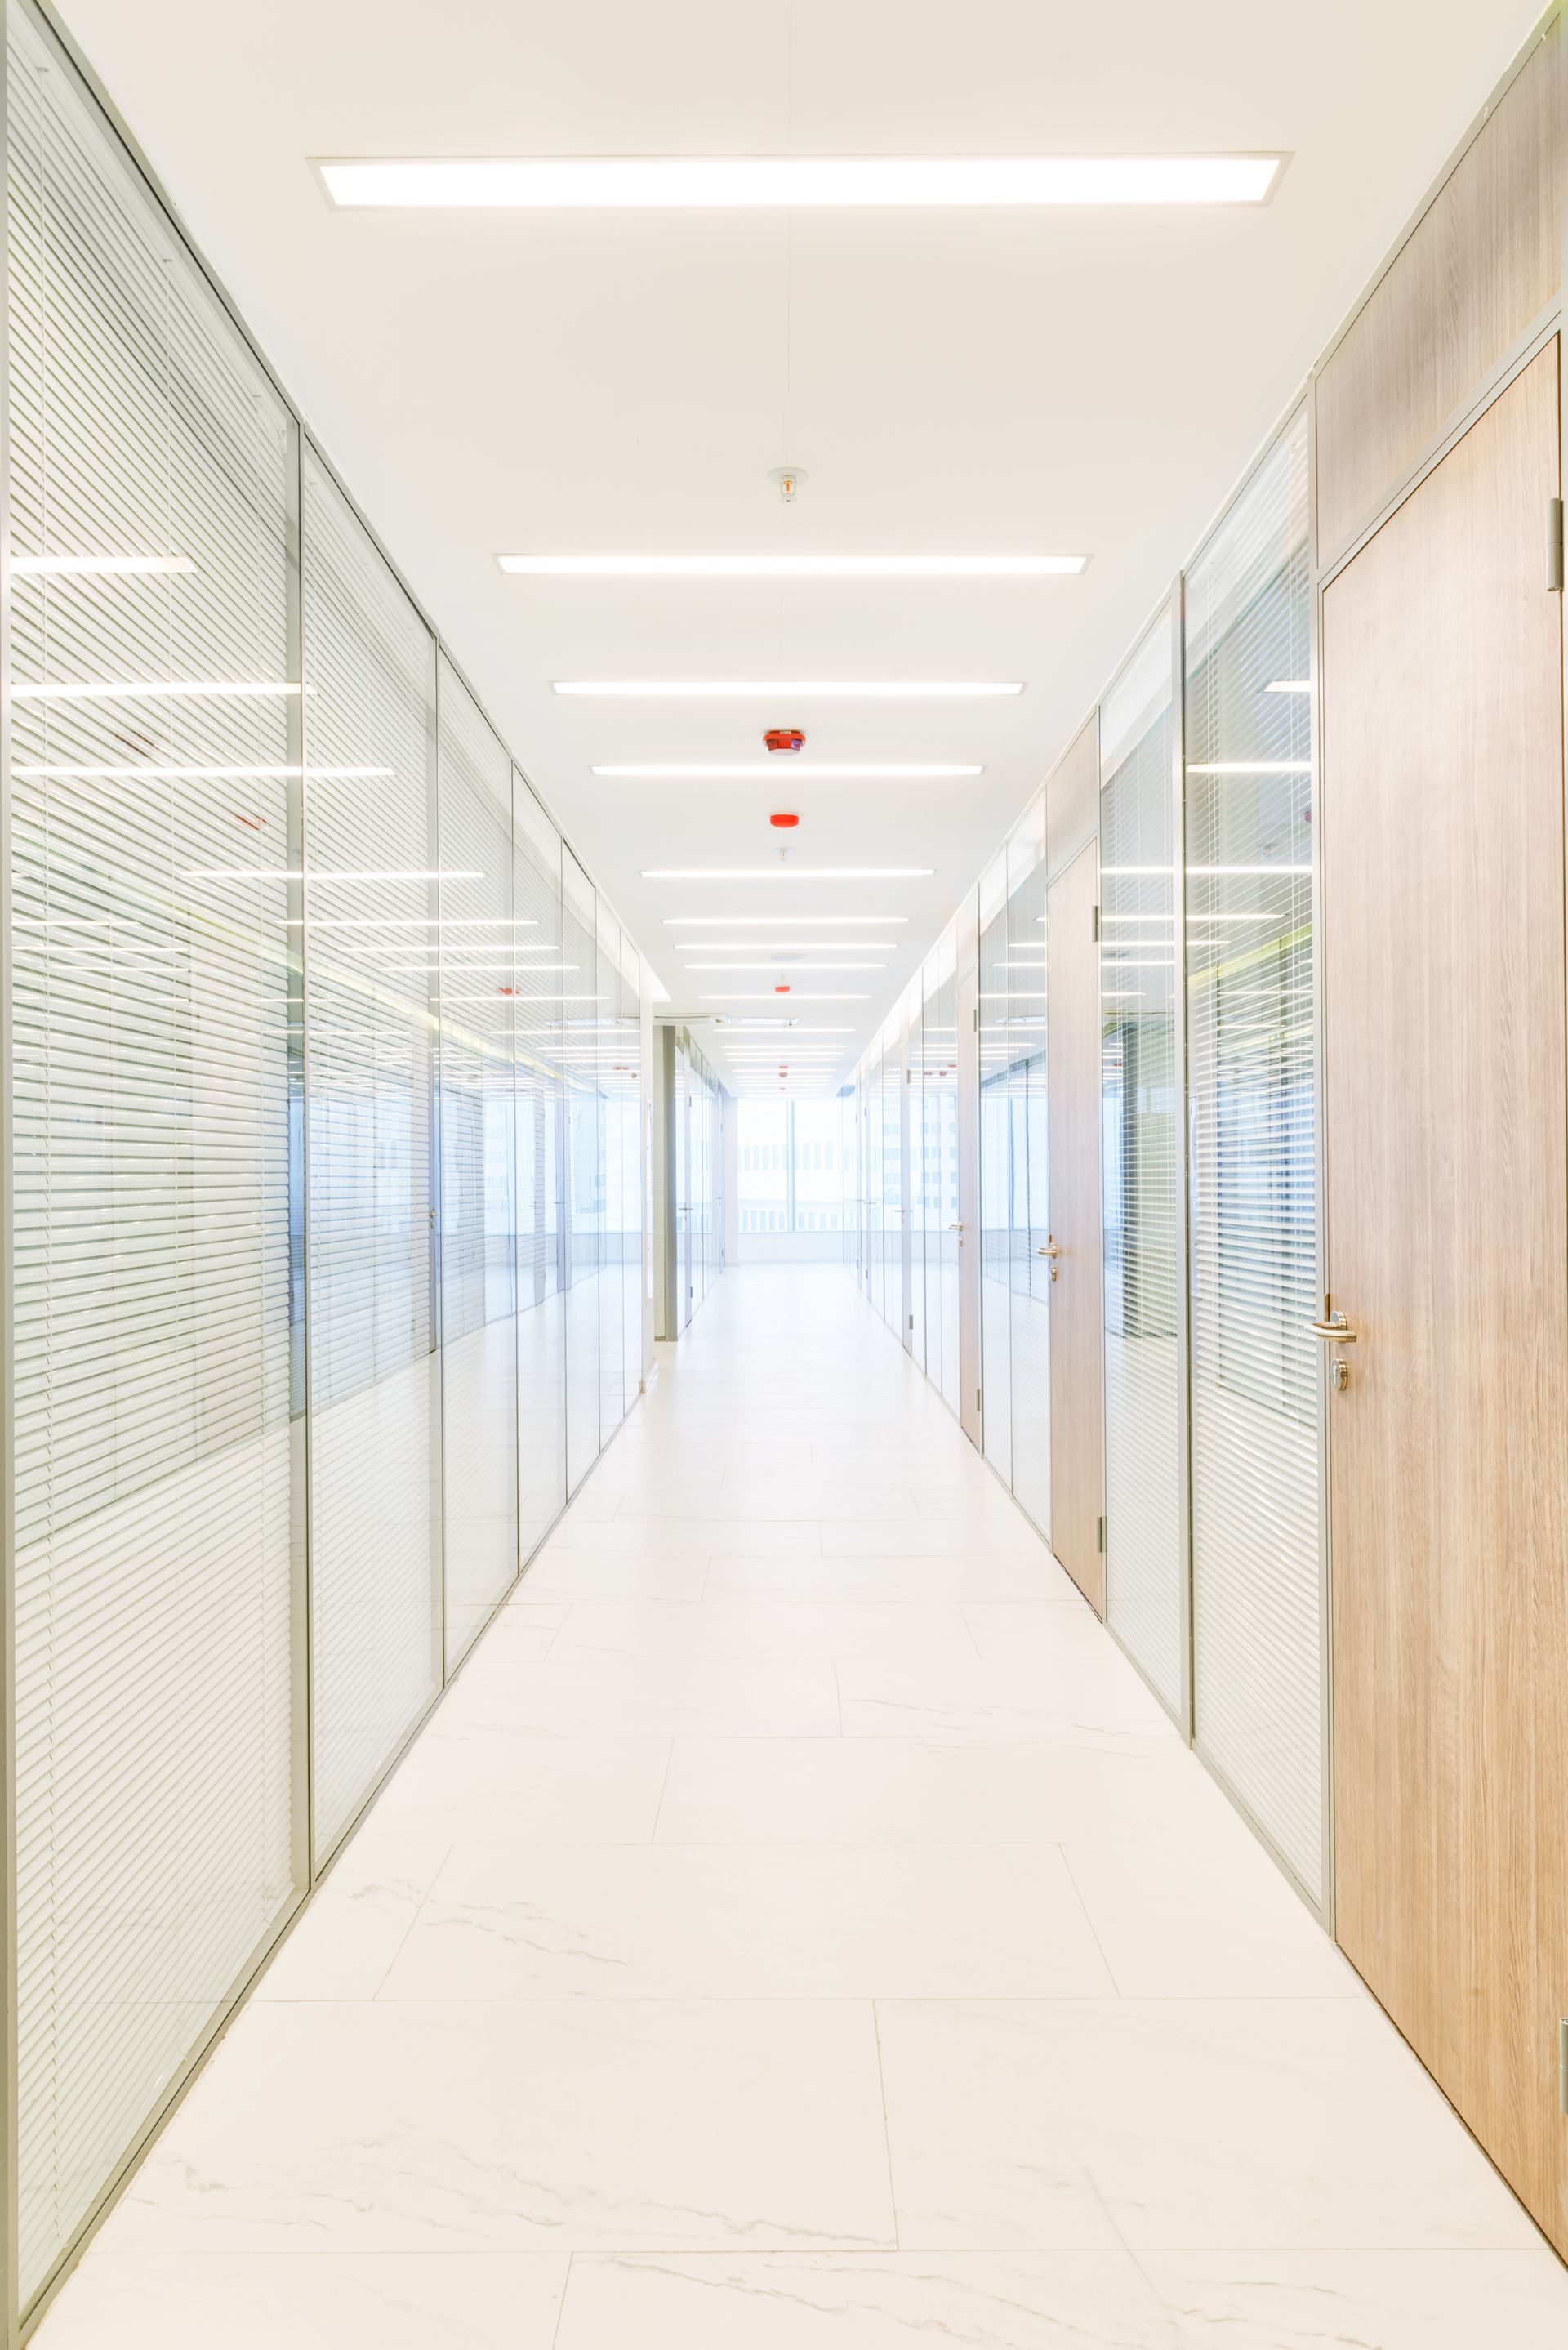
942, 1174
612, 1397
541, 1163
761, 1177
1256, 1577
995, 1238
478, 1148
585, 1178
1029, 1188
1142, 1135
375, 1523
155, 1003
627, 1071
817, 1207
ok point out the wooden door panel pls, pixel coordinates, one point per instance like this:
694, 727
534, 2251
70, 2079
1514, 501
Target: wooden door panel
1447, 1192
1073, 1087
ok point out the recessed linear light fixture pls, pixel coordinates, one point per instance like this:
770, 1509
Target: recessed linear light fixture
802, 995
776, 922
760, 950
78, 567
792, 567
788, 873
706, 182
787, 690
757, 969
804, 771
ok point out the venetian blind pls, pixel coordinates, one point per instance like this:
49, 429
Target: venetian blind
1256, 1577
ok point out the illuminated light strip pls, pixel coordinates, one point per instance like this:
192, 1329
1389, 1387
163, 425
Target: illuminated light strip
788, 873
792, 567
802, 995
799, 771
800, 688
704, 183
772, 921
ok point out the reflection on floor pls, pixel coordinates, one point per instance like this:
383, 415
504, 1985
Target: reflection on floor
799, 1929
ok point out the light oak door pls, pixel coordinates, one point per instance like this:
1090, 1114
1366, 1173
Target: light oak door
1447, 1170
1072, 1091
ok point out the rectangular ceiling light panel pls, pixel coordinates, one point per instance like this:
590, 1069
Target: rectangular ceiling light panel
792, 567
708, 182
774, 771
789, 688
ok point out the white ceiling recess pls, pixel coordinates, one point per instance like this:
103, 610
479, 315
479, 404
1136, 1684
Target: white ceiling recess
993, 381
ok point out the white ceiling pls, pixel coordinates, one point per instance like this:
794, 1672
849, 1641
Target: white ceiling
995, 381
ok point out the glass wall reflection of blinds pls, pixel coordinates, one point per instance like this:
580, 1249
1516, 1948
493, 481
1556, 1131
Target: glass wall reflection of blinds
156, 1829
1140, 1112
1257, 1595
995, 1235
477, 1217
1028, 1181
538, 929
233, 973
375, 1585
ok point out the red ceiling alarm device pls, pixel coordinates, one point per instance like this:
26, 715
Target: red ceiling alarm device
782, 989
784, 823
784, 739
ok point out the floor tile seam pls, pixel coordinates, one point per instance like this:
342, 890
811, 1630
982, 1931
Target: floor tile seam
1538, 2253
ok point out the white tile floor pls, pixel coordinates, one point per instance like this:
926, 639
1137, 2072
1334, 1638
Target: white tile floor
800, 1931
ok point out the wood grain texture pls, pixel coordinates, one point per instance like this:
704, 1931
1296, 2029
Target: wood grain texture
1484, 261
1447, 1160
1072, 799
1073, 1083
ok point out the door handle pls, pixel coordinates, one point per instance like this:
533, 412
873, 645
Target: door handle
1333, 1328
955, 1228
1050, 1249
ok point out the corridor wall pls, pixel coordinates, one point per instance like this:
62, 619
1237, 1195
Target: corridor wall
323, 1105
689, 1167
1325, 884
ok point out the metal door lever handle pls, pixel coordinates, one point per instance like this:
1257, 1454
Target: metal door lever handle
1050, 1249
1335, 1330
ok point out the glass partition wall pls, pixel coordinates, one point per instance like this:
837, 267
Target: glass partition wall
314, 1139
1215, 1575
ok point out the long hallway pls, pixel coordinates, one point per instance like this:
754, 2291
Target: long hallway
798, 1928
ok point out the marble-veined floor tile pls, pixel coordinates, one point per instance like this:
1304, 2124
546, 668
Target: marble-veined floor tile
1175, 1923
804, 1499
741, 1628
309, 2301
1033, 1577
647, 1697
752, 1921
1350, 2300
1196, 2123
525, 2125
346, 1937
1088, 1687
924, 1537
679, 1535
909, 2301
888, 1790
501, 1785
623, 1575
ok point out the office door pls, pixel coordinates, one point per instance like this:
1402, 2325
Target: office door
1072, 1245
1447, 1175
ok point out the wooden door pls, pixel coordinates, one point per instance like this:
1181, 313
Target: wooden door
1448, 1186
1073, 1087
